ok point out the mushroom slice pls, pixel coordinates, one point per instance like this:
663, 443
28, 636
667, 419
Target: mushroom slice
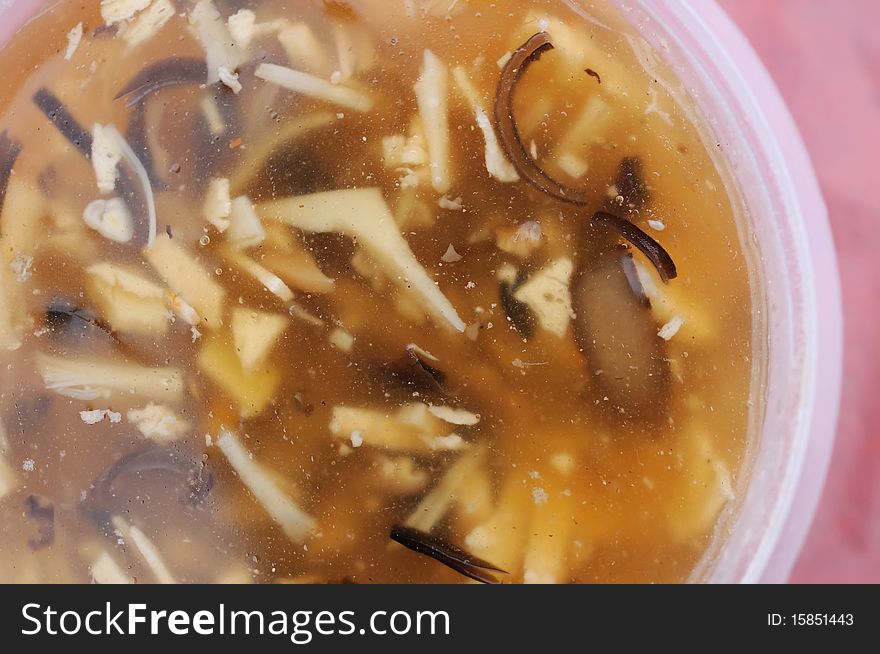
615, 330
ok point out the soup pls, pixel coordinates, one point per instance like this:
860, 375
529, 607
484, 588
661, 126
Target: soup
361, 291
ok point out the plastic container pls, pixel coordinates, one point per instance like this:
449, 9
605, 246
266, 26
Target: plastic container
795, 396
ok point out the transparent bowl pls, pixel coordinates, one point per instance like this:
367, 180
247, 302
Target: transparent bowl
798, 320
798, 323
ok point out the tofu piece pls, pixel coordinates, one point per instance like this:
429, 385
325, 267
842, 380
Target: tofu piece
115, 11
432, 96
212, 32
186, 276
74, 36
497, 163
412, 428
148, 23
111, 219
673, 309
433, 507
160, 423
305, 51
500, 539
269, 280
8, 478
104, 570
218, 204
21, 224
315, 87
588, 129
547, 293
550, 536
245, 228
146, 548
254, 334
12, 316
292, 519
106, 156
362, 214
401, 475
341, 340
251, 390
520, 240
704, 487
455, 416
90, 379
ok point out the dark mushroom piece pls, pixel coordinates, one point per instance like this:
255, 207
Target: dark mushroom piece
630, 183
446, 553
71, 324
42, 511
615, 330
413, 371
196, 481
62, 318
9, 151
519, 313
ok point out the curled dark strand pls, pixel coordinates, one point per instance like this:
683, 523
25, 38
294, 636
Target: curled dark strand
508, 133
172, 71
446, 553
57, 113
655, 253
196, 480
9, 151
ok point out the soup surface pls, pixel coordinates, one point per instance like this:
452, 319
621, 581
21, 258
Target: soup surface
284, 282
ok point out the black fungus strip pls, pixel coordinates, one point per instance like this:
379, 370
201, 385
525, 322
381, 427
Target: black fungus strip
446, 553
519, 313
9, 151
631, 181
508, 133
42, 512
173, 71
57, 113
655, 252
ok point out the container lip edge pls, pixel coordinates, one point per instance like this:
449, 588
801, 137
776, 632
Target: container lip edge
823, 360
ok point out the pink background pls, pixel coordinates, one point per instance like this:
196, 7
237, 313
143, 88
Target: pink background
825, 59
